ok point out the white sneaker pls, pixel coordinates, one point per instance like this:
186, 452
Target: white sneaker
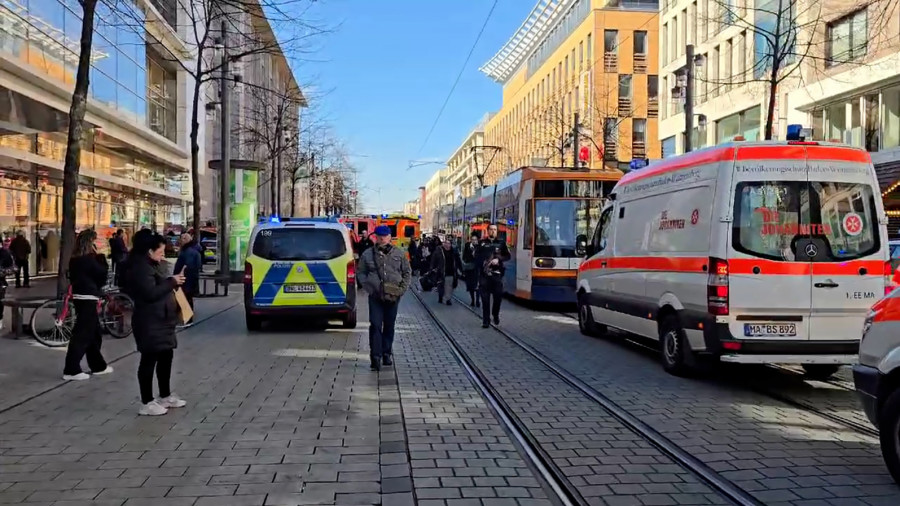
108, 370
152, 408
172, 401
77, 377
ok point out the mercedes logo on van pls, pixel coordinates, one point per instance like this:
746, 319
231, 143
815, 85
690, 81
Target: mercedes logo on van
811, 250
299, 269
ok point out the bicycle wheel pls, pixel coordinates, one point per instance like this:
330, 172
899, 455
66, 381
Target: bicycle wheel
116, 314
52, 324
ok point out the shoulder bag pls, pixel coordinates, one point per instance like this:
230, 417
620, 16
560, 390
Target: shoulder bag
390, 292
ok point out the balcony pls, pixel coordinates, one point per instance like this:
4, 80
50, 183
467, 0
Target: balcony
638, 149
640, 63
624, 107
653, 108
610, 63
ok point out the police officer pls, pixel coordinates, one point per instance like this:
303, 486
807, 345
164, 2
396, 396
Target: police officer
491, 256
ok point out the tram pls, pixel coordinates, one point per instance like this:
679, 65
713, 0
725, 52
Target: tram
403, 228
539, 213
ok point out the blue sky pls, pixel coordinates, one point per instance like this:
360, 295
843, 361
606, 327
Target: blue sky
389, 66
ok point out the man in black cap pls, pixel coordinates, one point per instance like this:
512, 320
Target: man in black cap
385, 274
492, 253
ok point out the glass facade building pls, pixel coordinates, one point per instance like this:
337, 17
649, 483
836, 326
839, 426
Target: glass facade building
133, 83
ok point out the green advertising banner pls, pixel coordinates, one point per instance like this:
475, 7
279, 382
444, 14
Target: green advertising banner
242, 215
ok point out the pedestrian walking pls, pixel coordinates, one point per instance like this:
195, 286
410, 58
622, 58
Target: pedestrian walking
87, 271
117, 251
414, 255
470, 272
6, 267
385, 274
445, 267
492, 254
190, 262
154, 320
21, 250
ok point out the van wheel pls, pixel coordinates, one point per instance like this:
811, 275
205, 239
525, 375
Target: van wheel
586, 323
820, 371
673, 346
889, 434
254, 323
349, 321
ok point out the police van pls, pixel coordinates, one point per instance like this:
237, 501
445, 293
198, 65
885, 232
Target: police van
300, 267
748, 252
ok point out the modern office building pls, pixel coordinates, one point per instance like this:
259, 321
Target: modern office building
851, 89
436, 195
593, 58
135, 163
466, 165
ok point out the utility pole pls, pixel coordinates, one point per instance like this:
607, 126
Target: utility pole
575, 132
312, 180
688, 97
225, 176
279, 147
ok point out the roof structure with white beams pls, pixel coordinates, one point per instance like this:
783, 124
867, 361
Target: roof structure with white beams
541, 19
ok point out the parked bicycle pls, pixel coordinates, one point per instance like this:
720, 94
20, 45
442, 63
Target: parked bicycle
53, 322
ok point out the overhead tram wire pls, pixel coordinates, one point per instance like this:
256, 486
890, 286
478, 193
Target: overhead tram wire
458, 77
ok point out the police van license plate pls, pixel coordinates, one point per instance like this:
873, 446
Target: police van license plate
770, 329
300, 288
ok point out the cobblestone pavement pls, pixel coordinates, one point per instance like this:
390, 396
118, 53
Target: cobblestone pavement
604, 460
460, 452
277, 417
779, 453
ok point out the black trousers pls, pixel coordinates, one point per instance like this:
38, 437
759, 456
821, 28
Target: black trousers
86, 339
161, 361
491, 297
22, 265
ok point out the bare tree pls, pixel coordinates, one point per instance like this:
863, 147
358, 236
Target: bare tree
74, 139
787, 39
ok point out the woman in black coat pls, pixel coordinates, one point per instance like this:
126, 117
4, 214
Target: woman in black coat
470, 270
87, 272
154, 321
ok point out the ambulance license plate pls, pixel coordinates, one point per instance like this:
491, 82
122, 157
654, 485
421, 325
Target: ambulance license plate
770, 329
300, 288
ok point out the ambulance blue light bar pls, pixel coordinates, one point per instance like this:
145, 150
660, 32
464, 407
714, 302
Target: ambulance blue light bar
798, 133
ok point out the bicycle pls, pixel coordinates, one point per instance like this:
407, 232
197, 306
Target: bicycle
114, 309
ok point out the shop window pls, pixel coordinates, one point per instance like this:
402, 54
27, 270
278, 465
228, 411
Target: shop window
846, 38
668, 147
890, 121
745, 123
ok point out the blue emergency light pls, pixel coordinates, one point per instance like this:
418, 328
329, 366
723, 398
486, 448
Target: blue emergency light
798, 133
274, 219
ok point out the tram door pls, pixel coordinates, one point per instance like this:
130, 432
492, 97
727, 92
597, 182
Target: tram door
525, 240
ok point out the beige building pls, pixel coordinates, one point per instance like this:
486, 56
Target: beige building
437, 194
467, 164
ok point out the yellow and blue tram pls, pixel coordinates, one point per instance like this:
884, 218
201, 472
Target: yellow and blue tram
540, 213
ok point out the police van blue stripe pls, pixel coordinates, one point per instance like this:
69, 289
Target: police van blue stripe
326, 281
271, 283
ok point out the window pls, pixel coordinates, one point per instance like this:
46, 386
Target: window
639, 131
766, 17
664, 42
640, 42
528, 238
846, 38
299, 244
602, 233
745, 123
625, 86
610, 40
770, 217
653, 87
581, 56
890, 121
590, 52
668, 147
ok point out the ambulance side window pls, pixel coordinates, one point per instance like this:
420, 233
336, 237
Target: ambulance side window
602, 233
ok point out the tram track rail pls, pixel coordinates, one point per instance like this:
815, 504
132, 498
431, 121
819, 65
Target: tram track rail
706, 475
786, 399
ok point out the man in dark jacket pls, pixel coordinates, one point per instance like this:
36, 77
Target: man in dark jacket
492, 254
189, 263
445, 267
21, 250
117, 250
385, 274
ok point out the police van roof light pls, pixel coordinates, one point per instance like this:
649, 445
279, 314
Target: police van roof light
274, 219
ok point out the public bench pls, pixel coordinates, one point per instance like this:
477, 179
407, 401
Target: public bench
217, 280
18, 305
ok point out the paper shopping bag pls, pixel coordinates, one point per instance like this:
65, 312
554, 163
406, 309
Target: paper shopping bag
184, 309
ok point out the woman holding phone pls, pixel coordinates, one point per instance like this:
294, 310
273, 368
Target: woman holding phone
154, 321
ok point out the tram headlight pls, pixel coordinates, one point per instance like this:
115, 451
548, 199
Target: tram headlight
545, 263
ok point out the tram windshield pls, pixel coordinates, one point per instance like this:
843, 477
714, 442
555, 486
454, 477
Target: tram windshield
557, 223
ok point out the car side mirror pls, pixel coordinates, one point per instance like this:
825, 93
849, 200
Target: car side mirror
581, 245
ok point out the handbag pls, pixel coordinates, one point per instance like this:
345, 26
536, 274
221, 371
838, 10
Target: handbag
390, 292
427, 283
184, 309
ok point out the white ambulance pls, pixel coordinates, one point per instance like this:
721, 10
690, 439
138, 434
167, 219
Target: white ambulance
749, 252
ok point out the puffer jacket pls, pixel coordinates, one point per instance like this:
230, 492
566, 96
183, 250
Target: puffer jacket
155, 309
392, 264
